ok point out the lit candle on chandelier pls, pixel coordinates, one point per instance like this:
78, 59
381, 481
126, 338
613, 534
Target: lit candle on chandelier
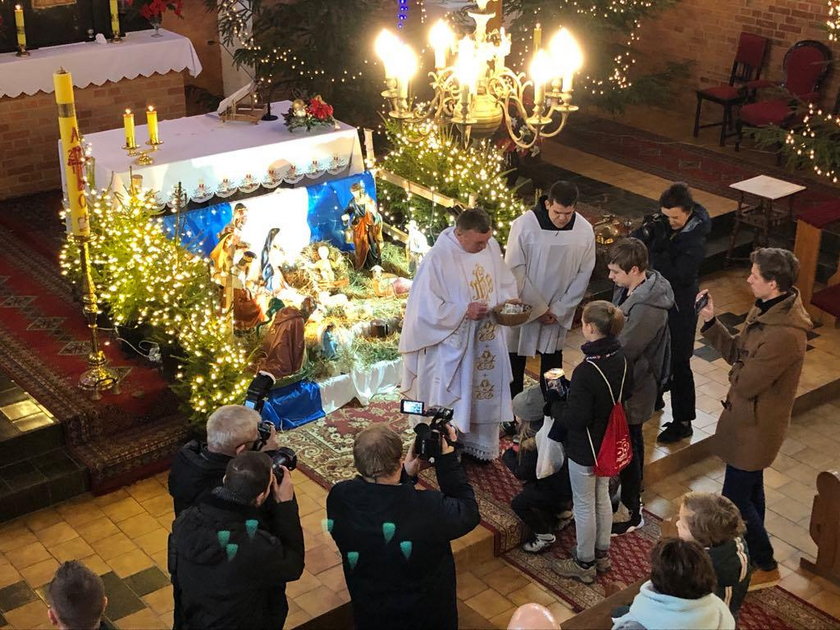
541, 71
128, 126
19, 27
440, 37
152, 123
537, 37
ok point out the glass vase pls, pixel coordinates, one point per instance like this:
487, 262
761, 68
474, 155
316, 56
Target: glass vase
155, 22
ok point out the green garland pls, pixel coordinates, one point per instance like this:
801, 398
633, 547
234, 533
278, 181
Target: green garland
440, 163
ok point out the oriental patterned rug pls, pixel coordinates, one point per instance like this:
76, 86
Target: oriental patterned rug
769, 608
325, 453
44, 342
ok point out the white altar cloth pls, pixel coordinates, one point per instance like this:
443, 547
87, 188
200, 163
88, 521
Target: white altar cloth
209, 157
94, 64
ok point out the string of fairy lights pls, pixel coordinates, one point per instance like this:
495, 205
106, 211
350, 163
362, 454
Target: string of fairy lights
239, 14
833, 21
147, 278
442, 165
817, 142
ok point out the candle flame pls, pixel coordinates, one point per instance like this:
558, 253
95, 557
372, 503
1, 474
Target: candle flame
127, 111
151, 108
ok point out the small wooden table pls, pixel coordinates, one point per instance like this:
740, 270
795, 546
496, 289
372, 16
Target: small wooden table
757, 207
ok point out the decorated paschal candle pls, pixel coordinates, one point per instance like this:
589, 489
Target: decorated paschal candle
19, 27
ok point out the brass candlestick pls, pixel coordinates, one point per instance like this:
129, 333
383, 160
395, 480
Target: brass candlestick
144, 157
22, 52
98, 377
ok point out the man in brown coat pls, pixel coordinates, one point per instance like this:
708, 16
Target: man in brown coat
766, 359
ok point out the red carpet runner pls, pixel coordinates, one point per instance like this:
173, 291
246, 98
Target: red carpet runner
44, 342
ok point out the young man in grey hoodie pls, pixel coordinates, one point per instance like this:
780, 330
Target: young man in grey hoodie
645, 297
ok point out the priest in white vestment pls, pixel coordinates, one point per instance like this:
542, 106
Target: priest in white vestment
551, 251
454, 354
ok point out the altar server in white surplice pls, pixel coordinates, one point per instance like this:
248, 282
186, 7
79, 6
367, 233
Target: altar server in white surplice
551, 251
454, 354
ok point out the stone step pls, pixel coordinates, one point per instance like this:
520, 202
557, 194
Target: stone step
39, 481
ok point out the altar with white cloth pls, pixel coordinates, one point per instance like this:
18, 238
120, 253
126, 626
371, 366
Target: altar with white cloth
211, 158
109, 78
90, 63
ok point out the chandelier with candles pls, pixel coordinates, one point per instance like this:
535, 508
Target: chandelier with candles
473, 88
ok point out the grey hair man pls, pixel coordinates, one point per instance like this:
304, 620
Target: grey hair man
200, 466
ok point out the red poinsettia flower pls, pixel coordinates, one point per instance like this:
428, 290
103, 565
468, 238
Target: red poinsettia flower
319, 109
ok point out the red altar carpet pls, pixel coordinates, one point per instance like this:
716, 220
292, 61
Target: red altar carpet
44, 342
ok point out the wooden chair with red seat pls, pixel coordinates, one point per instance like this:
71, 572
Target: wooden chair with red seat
805, 67
749, 59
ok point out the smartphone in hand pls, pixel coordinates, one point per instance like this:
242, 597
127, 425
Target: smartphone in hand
700, 304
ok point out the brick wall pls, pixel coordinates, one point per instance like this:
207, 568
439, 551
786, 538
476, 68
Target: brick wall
29, 126
201, 27
706, 32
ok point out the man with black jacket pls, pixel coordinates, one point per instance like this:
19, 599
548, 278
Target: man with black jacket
676, 242
395, 540
198, 468
229, 558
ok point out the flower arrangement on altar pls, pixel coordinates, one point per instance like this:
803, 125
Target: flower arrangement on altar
315, 113
153, 10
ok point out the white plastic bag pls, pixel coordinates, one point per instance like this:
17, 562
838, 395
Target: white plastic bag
550, 453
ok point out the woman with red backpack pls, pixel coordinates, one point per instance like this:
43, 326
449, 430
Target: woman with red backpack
597, 445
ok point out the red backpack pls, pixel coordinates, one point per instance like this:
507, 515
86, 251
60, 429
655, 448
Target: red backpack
615, 452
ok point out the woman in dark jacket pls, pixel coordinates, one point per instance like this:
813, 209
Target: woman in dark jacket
596, 382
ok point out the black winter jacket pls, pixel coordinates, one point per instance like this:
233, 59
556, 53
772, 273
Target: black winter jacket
731, 561
677, 255
241, 583
394, 542
195, 472
589, 404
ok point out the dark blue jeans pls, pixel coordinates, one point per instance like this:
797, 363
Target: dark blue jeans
632, 475
746, 490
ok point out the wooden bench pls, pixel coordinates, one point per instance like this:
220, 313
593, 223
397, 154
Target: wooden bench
824, 305
598, 616
825, 528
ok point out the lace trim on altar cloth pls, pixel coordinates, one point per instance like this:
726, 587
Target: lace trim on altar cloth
291, 174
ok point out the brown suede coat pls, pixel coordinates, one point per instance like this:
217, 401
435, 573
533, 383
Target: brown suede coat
766, 359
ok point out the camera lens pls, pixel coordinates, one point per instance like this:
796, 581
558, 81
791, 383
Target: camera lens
283, 456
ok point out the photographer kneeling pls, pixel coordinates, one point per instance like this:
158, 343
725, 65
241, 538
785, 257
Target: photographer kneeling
395, 540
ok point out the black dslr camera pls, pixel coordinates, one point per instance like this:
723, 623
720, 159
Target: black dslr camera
283, 456
429, 441
654, 227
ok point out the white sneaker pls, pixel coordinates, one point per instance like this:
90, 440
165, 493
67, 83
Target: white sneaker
540, 542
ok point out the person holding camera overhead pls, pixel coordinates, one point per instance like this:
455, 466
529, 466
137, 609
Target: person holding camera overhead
395, 540
453, 354
676, 242
229, 558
